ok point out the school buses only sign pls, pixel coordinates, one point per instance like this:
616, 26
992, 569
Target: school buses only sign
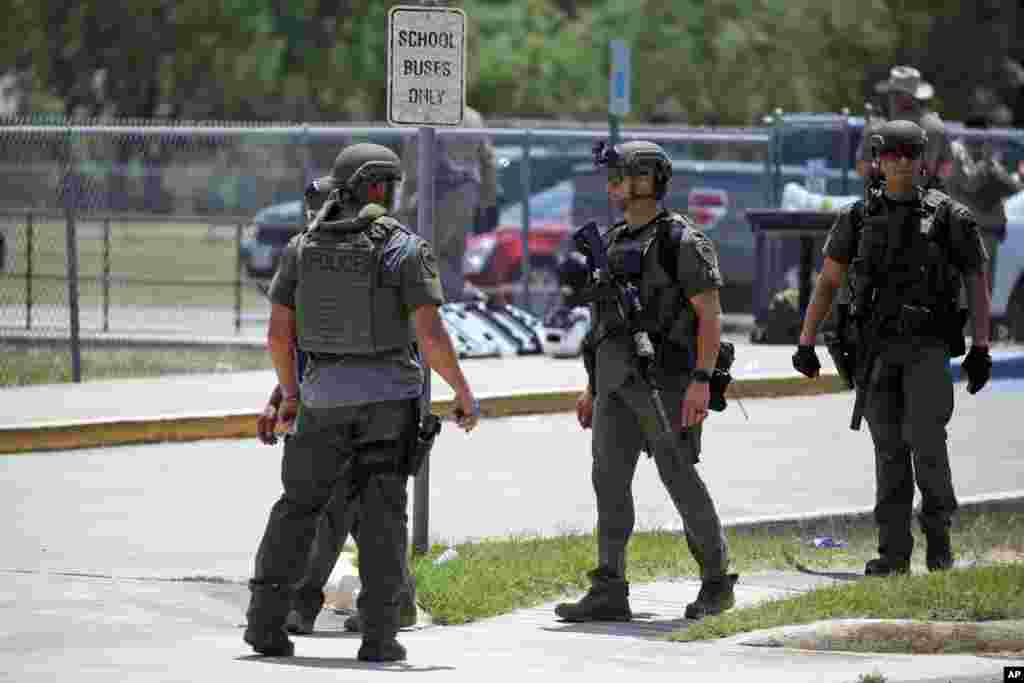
426, 66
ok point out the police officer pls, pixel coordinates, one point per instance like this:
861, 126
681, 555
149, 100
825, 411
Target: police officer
675, 268
907, 96
339, 519
904, 255
355, 290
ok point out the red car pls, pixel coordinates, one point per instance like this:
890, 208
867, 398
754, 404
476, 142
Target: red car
493, 262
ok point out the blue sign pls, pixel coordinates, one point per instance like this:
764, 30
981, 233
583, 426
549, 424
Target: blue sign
619, 80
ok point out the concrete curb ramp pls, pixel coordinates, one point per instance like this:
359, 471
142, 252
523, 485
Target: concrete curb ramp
104, 432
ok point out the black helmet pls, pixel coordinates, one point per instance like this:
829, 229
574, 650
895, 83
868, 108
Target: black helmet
896, 134
637, 157
357, 165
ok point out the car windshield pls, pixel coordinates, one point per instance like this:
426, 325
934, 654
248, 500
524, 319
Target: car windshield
553, 205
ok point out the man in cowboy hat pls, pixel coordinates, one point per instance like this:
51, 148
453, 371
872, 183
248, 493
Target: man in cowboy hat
907, 94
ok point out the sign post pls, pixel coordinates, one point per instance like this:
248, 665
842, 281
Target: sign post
426, 88
618, 97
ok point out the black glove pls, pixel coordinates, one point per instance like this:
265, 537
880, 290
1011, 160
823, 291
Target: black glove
806, 362
978, 366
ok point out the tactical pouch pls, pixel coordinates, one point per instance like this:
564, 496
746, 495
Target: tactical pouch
720, 376
954, 336
916, 321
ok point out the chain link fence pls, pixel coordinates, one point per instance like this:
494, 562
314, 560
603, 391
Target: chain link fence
143, 230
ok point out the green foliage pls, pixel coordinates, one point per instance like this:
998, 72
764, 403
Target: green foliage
725, 62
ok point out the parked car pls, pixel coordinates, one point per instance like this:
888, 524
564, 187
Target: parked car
1008, 281
267, 235
494, 260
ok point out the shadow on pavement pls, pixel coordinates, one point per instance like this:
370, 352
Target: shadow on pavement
343, 663
642, 626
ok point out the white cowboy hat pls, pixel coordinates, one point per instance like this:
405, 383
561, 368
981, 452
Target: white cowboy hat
908, 80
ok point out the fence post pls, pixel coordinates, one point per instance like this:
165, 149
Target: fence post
525, 181
71, 245
845, 152
238, 278
106, 275
29, 248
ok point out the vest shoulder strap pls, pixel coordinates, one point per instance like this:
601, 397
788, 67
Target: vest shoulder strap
671, 227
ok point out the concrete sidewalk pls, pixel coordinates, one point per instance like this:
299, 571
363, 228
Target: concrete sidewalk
225, 405
101, 629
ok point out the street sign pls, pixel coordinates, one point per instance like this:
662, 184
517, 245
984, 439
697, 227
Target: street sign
619, 80
426, 66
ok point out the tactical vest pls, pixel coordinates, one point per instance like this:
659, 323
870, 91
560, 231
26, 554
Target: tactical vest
667, 316
907, 262
345, 304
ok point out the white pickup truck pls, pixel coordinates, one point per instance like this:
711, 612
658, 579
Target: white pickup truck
1008, 285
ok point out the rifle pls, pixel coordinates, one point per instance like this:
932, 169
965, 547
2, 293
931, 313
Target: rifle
589, 242
863, 317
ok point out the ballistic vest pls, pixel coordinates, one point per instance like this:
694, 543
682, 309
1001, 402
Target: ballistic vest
667, 316
345, 304
906, 258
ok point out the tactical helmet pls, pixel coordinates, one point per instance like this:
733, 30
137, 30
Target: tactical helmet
637, 157
358, 165
893, 135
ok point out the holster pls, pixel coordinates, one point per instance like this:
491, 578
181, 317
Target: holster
720, 376
843, 356
419, 445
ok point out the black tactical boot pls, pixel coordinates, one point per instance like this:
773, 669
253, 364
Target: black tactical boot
607, 600
939, 555
306, 606
887, 566
407, 614
299, 622
715, 596
266, 615
381, 651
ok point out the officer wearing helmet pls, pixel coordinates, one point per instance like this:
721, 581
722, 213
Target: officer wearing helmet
904, 255
675, 268
353, 293
340, 517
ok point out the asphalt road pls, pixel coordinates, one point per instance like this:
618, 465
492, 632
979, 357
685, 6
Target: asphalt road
175, 510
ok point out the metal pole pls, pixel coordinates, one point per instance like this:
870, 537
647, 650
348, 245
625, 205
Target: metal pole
106, 274
425, 227
525, 181
845, 153
71, 246
30, 229
238, 278
613, 139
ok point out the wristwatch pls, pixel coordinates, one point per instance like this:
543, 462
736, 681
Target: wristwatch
701, 375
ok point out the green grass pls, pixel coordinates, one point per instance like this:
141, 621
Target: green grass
21, 365
975, 594
139, 253
493, 577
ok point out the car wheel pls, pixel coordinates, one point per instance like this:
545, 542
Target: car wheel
1015, 313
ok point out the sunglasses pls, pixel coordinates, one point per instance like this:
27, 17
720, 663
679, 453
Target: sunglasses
907, 151
617, 174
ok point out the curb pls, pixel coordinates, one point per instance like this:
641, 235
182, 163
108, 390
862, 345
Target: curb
105, 432
824, 521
